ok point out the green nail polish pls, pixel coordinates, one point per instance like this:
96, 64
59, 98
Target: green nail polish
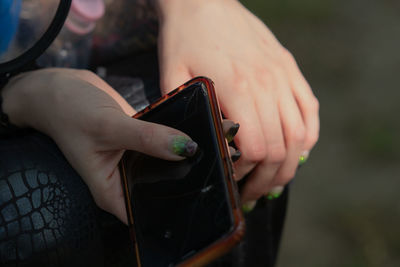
275, 193
272, 196
249, 206
303, 157
269, 197
302, 160
183, 146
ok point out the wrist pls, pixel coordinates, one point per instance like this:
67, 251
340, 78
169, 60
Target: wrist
26, 97
12, 106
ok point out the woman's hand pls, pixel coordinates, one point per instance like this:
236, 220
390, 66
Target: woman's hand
92, 126
258, 83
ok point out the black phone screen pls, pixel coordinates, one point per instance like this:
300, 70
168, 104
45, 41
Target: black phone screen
180, 207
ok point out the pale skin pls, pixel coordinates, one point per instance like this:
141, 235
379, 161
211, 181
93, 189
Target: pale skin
90, 123
258, 85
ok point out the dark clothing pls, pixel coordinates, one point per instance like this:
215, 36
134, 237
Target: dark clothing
48, 217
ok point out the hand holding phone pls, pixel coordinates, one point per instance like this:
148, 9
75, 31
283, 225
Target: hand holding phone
183, 213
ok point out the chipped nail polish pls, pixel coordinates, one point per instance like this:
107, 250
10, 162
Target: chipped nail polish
248, 206
183, 146
303, 157
236, 155
232, 131
275, 192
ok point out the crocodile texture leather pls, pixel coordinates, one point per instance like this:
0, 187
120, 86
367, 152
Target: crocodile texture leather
47, 215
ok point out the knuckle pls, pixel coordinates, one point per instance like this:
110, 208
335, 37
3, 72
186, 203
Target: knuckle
314, 104
240, 83
287, 55
266, 76
98, 126
265, 73
146, 135
276, 154
256, 153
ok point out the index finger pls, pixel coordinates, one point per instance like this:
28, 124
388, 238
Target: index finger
249, 140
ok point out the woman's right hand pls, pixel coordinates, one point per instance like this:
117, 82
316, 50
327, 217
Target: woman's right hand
92, 126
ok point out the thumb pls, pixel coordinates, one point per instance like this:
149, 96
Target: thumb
150, 138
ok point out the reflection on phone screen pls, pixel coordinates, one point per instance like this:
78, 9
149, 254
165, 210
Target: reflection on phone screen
180, 207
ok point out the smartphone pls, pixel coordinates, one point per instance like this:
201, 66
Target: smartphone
183, 213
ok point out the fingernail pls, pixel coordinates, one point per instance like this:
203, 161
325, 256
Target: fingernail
303, 157
183, 146
236, 155
248, 206
275, 192
230, 130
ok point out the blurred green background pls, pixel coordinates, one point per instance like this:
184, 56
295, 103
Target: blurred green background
345, 203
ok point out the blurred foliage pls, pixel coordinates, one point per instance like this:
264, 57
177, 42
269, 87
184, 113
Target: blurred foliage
345, 206
379, 142
371, 241
376, 141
